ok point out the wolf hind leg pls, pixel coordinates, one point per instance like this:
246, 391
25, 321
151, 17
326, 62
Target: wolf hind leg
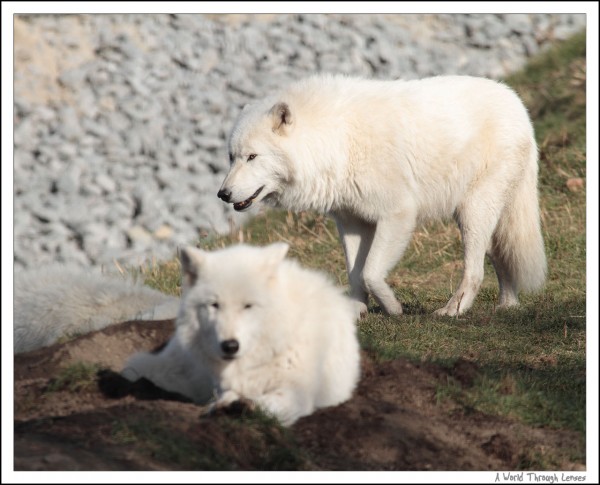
509, 291
477, 218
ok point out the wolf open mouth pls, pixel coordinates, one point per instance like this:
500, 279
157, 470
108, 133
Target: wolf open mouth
242, 206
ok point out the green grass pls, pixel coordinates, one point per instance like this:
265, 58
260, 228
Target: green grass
164, 276
531, 360
77, 377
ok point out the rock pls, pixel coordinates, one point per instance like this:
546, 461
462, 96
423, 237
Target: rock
121, 121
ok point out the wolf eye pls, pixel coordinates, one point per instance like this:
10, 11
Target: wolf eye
247, 306
215, 305
251, 157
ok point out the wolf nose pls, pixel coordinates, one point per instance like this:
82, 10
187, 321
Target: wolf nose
224, 194
230, 347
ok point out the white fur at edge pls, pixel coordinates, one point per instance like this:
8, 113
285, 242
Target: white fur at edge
298, 349
384, 156
64, 301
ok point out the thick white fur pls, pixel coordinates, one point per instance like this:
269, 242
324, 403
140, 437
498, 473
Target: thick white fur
60, 301
384, 156
298, 349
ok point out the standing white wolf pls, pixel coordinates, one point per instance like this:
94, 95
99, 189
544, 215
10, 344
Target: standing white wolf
384, 156
257, 327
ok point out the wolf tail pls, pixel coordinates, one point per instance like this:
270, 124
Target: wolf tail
517, 244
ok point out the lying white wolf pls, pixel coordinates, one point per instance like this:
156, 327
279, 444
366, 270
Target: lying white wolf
254, 326
384, 156
59, 301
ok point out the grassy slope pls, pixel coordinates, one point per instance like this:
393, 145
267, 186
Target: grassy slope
532, 359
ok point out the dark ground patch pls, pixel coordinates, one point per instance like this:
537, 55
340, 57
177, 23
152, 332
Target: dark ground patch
393, 422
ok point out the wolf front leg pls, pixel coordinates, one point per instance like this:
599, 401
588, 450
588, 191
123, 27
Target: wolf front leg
357, 236
392, 235
287, 404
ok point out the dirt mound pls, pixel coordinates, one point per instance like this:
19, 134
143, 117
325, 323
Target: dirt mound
74, 412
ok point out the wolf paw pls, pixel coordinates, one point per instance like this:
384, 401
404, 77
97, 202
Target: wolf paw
507, 303
450, 310
360, 309
394, 309
445, 312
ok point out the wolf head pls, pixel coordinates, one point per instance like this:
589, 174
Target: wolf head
229, 304
258, 164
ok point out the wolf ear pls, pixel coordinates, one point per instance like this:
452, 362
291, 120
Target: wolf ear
274, 255
277, 252
191, 261
281, 117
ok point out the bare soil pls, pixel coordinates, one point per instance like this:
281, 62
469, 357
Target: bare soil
393, 422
